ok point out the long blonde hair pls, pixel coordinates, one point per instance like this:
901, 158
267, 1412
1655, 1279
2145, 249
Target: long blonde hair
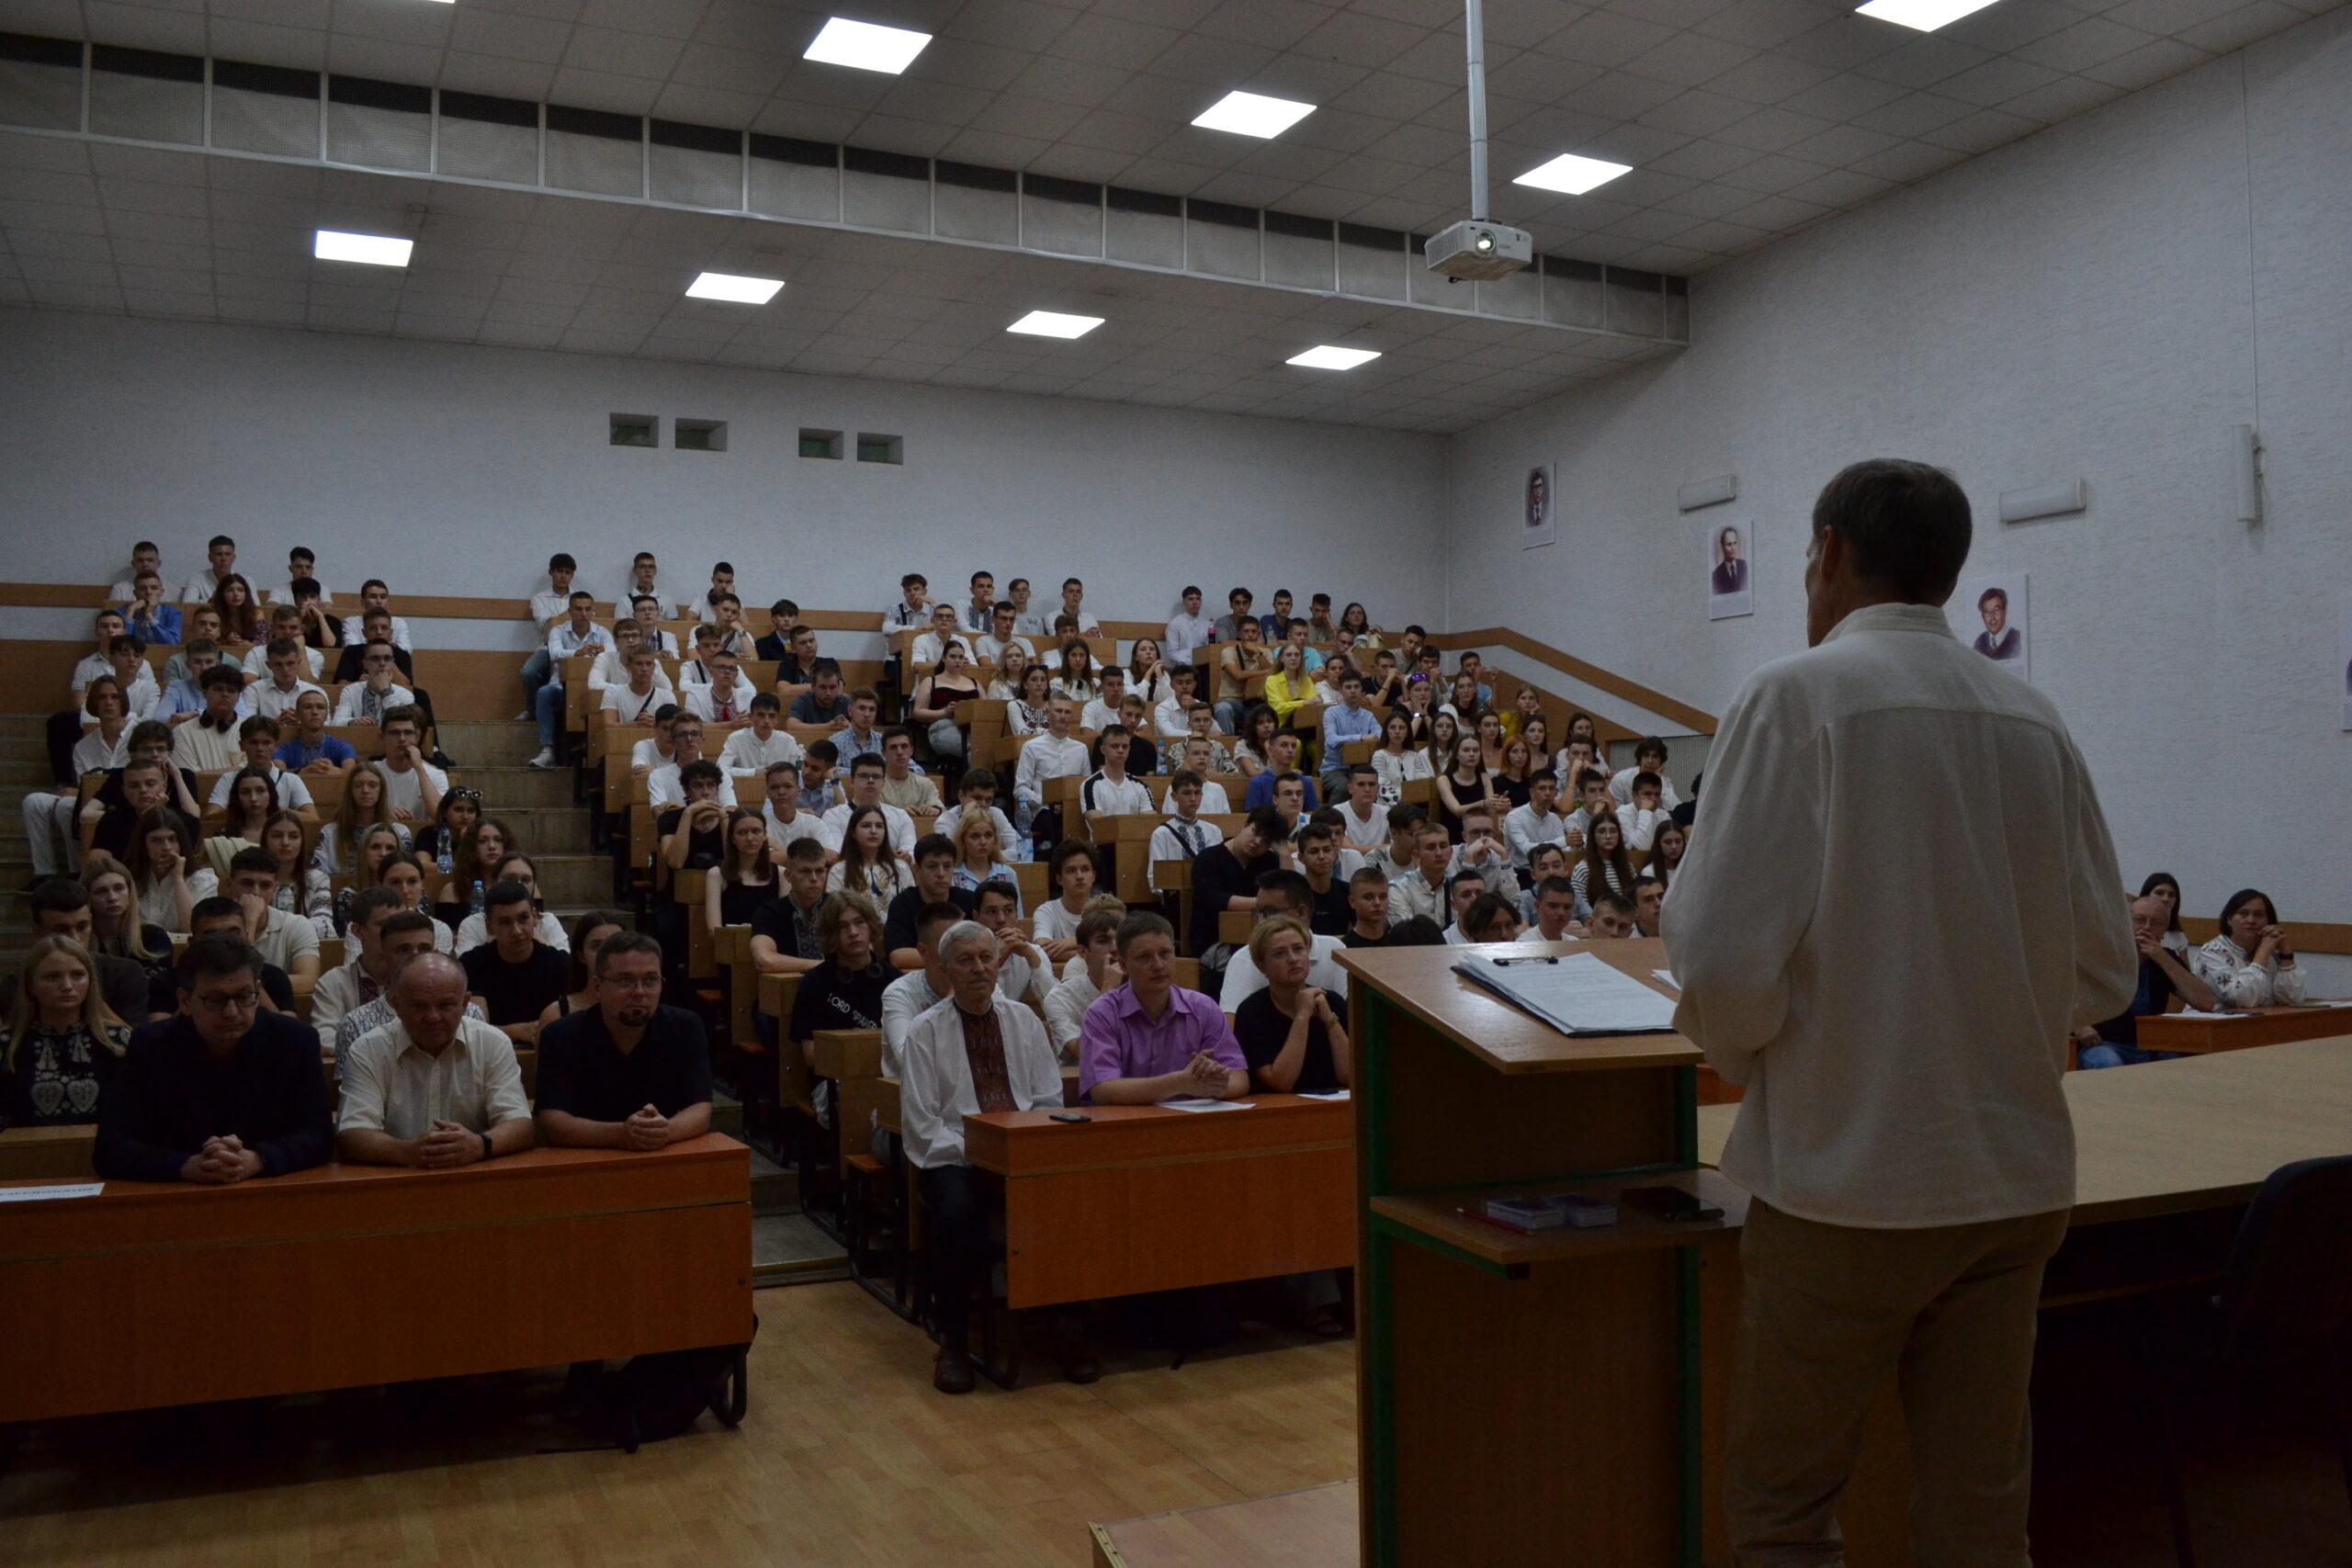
123, 940
95, 1014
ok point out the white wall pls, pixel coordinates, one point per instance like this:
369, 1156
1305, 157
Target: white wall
454, 469
2099, 301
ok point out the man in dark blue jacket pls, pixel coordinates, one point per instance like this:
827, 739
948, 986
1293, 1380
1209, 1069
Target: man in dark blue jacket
222, 1093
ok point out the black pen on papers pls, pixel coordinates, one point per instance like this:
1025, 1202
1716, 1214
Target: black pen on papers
1531, 958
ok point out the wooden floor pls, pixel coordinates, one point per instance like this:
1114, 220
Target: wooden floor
849, 1459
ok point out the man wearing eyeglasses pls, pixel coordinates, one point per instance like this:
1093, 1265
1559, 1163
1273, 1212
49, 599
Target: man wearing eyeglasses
225, 1091
628, 1073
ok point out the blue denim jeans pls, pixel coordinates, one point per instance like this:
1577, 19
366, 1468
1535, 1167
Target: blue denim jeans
2107, 1054
537, 672
549, 700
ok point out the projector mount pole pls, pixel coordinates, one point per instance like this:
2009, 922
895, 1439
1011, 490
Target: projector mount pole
1474, 25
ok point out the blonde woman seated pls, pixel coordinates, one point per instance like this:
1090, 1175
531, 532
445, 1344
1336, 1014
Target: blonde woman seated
64, 1043
980, 858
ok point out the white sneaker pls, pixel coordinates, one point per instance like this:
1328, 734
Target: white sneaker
526, 714
546, 759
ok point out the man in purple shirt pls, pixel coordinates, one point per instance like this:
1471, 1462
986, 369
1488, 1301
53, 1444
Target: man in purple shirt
1150, 1039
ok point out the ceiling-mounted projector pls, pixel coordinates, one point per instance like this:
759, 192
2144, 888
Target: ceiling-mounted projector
1474, 251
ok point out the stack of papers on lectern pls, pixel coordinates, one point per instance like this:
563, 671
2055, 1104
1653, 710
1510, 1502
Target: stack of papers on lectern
1576, 994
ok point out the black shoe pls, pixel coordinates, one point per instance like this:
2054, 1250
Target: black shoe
951, 1373
1069, 1350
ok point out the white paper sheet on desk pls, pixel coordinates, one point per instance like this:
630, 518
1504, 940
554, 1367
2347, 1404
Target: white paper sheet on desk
1327, 1094
1575, 994
1668, 977
2192, 1012
1205, 1105
44, 1194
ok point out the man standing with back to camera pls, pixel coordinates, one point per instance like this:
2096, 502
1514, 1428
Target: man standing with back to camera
1904, 902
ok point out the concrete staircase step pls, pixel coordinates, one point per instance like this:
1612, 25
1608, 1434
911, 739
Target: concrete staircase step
789, 1249
547, 829
726, 1114
574, 881
774, 1191
505, 786
490, 742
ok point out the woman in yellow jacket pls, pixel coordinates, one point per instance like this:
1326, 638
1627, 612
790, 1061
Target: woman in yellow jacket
1290, 687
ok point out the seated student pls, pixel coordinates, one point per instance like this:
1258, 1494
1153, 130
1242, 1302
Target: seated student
1364, 821
61, 1049
1172, 718
916, 992
587, 934
787, 824
796, 668
1244, 657
1094, 971
903, 784
1204, 754
282, 624
637, 701
976, 793
629, 1073
913, 607
1187, 630
376, 599
1353, 720
257, 746
1293, 1034
507, 863
1024, 974
413, 786
1482, 848
274, 697
775, 645
975, 1052
821, 786
1101, 710
655, 750
844, 991
1420, 893
514, 974
403, 875
1150, 1039
754, 750
935, 882
1612, 917
434, 1090
979, 613
376, 692
322, 628
1642, 820
1649, 757
725, 697
380, 626
574, 635
224, 1092
361, 977
699, 670
1491, 918
866, 862
1604, 865
867, 775
1367, 909
666, 787
1404, 849
1282, 893
1000, 635
784, 930
144, 613
2116, 1043
750, 876
1462, 888
734, 639
1183, 836
1109, 789
1593, 786
979, 860
164, 878
1281, 760
198, 651
1555, 909
648, 613
145, 557
610, 667
66, 726
937, 696
2250, 964
283, 938
1649, 899
550, 608
312, 751
1536, 822
858, 735
207, 742
1071, 872
692, 831
1326, 889
1227, 628
927, 653
1074, 606
1054, 754
822, 702
1225, 876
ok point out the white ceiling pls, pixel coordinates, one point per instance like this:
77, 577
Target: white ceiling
1744, 120
142, 231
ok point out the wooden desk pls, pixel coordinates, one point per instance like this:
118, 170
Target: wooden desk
2236, 1031
48, 1154
167, 1294
1123, 1203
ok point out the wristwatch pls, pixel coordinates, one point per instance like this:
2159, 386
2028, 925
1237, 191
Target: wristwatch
485, 1143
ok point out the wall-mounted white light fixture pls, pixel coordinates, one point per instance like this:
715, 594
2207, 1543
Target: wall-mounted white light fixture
2049, 501
1707, 493
2246, 465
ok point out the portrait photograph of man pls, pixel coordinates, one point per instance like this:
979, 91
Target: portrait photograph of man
1990, 616
1728, 568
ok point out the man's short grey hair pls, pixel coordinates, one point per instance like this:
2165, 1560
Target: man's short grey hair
963, 933
424, 966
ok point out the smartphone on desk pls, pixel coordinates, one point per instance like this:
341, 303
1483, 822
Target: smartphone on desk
1068, 1116
1671, 1205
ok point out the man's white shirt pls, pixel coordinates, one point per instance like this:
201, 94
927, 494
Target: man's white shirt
627, 706
1118, 796
1524, 827
271, 703
804, 825
611, 670
257, 661
355, 635
745, 752
1364, 832
902, 827
663, 789
1168, 842
292, 793
702, 701
1185, 633
1043, 758
1242, 980
989, 651
351, 707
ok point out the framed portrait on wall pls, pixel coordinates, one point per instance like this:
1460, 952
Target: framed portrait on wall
1538, 522
1730, 566
1992, 615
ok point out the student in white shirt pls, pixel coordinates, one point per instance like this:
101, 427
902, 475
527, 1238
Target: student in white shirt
1052, 755
1536, 822
375, 595
611, 668
274, 697
989, 648
1109, 789
1074, 606
1188, 631
913, 608
127, 666
144, 557
1200, 755
1102, 712
1649, 757
284, 625
643, 569
1283, 893
1364, 821
1645, 814
787, 824
647, 610
635, 703
1086, 978
1026, 621
1420, 893
1904, 902
760, 745
1183, 836
301, 566
976, 791
366, 700
221, 551
1071, 872
413, 786
725, 697
1173, 717
925, 656
865, 778
662, 788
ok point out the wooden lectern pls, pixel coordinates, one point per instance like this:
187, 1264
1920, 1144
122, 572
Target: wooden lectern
1522, 1398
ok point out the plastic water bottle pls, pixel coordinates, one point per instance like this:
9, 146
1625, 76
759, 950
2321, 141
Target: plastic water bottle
445, 859
477, 896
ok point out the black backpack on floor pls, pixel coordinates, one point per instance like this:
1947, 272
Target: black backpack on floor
661, 1393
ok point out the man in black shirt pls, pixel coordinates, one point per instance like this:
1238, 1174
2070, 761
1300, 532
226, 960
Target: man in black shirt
776, 646
934, 873
1319, 854
628, 1073
141, 784
376, 626
223, 1092
1225, 876
225, 917
783, 931
515, 975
